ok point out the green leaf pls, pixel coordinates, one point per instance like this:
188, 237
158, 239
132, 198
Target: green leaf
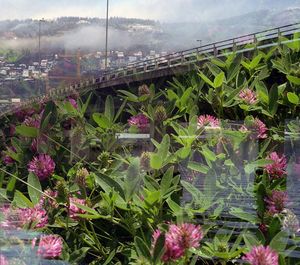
198, 167
273, 97
110, 257
277, 64
254, 63
159, 249
195, 192
250, 240
293, 98
239, 213
234, 69
77, 255
263, 93
186, 97
206, 79
107, 183
164, 147
101, 120
49, 115
22, 201
166, 180
27, 131
279, 242
141, 248
109, 108
218, 62
86, 104
219, 79
293, 79
213, 68
208, 153
172, 95
3, 194
174, 207
130, 96
155, 161
120, 110
133, 179
249, 168
86, 208
11, 184
34, 188
183, 152
261, 194
231, 96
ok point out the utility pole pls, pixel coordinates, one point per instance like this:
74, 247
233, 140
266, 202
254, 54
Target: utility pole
106, 35
40, 22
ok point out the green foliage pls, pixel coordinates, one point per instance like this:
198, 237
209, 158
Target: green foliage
187, 173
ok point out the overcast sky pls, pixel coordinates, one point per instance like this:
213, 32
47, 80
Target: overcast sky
163, 10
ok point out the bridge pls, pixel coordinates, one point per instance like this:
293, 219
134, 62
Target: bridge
171, 64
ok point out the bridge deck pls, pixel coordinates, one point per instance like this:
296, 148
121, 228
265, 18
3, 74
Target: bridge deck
172, 64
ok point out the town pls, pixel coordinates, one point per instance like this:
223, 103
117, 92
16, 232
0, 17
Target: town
21, 79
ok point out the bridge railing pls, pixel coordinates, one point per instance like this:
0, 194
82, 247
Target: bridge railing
257, 40
191, 55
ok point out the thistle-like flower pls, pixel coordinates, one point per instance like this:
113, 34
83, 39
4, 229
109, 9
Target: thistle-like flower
81, 176
21, 114
36, 142
290, 222
42, 166
24, 218
261, 255
74, 210
3, 260
143, 90
50, 246
12, 130
48, 199
160, 114
276, 202
33, 217
8, 160
178, 239
208, 121
73, 102
258, 129
248, 96
32, 122
277, 168
145, 160
140, 121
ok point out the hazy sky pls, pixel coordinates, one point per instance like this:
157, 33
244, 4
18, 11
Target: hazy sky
163, 10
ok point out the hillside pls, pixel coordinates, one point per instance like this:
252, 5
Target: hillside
89, 33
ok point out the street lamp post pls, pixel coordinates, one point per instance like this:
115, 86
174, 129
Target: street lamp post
106, 35
200, 43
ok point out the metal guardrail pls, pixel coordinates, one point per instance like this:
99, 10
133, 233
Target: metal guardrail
259, 40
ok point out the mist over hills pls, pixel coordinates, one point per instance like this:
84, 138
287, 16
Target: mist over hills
71, 33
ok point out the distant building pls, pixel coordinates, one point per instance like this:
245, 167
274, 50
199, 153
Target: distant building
44, 63
138, 54
3, 72
152, 53
25, 73
120, 59
102, 63
132, 59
